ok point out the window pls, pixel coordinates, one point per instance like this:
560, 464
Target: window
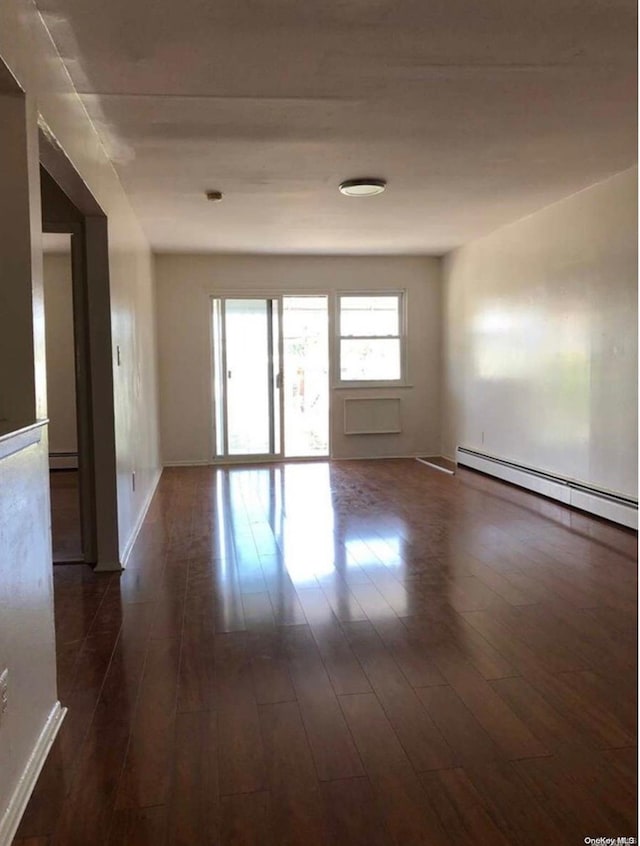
371, 335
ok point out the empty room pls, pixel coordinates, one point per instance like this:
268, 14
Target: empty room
318, 423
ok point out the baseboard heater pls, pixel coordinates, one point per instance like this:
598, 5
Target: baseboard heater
611, 506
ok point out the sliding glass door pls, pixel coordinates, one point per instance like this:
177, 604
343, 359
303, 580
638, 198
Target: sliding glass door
270, 367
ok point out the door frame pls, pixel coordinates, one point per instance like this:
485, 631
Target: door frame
78, 212
253, 294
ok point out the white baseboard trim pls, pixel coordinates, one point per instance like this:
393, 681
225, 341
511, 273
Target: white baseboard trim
373, 457
606, 504
22, 793
200, 462
436, 466
291, 460
143, 513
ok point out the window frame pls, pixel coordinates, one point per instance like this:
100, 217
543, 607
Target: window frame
401, 296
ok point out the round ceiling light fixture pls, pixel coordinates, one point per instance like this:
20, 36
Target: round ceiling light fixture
363, 187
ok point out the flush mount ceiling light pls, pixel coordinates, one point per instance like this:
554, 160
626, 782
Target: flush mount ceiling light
214, 196
363, 187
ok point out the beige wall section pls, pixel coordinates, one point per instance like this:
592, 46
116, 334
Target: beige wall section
184, 286
540, 339
27, 49
61, 374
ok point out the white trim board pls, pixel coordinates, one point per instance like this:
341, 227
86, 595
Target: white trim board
12, 442
138, 525
290, 460
617, 508
189, 462
27, 781
436, 466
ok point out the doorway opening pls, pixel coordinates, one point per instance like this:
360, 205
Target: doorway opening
64, 472
270, 377
84, 494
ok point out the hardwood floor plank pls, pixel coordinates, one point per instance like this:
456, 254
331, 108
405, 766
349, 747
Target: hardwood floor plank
196, 677
258, 611
422, 741
333, 749
409, 654
513, 808
544, 721
145, 777
535, 627
464, 734
494, 715
403, 803
592, 716
340, 663
342, 600
86, 811
296, 800
352, 814
246, 820
139, 827
576, 794
241, 757
269, 668
462, 812
192, 805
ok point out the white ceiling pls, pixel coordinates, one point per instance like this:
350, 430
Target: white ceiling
476, 113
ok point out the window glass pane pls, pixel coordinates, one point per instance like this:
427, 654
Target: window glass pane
369, 315
369, 360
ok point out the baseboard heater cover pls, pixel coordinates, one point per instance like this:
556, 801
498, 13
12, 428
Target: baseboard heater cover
611, 506
372, 416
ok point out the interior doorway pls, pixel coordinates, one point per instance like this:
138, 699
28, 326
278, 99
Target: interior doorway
64, 472
271, 377
70, 210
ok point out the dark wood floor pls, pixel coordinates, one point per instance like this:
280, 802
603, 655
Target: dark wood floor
65, 515
364, 653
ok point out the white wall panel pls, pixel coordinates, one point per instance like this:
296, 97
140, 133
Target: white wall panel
540, 339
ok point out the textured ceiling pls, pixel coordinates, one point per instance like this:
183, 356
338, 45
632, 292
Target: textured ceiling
476, 113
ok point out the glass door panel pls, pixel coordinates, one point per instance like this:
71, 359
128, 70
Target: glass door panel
306, 376
248, 377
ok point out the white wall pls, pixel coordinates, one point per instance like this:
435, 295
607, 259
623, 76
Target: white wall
184, 286
61, 374
26, 600
540, 339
